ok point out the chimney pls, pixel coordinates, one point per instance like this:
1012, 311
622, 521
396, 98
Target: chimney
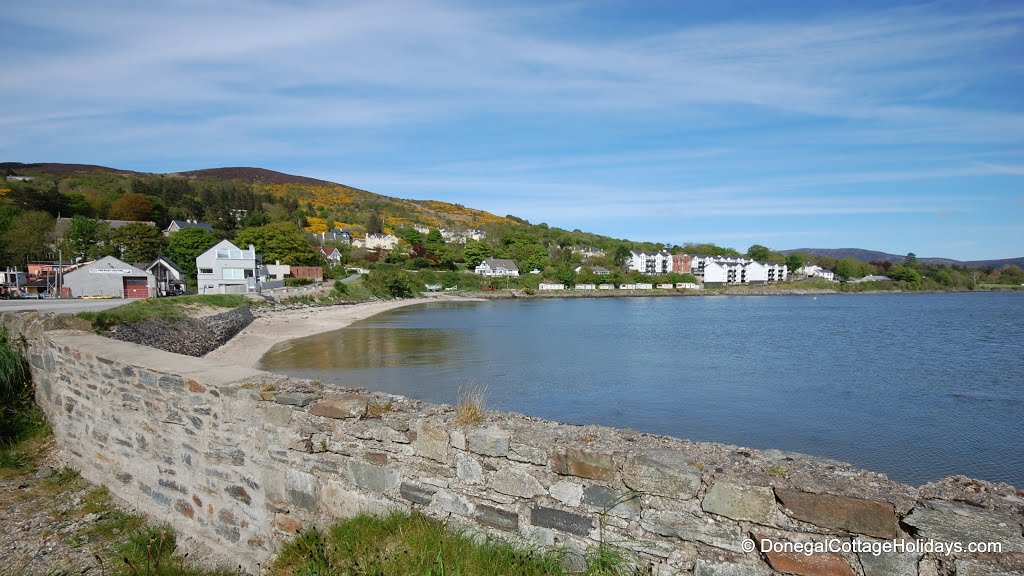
252, 249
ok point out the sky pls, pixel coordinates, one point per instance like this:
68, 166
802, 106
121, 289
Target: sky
886, 126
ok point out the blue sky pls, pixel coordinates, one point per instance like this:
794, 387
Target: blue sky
894, 127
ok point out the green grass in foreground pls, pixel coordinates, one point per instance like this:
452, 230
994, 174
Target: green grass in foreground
401, 544
169, 308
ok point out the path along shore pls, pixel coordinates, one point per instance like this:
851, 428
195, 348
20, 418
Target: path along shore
249, 345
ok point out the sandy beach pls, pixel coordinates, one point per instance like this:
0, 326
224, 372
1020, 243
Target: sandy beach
249, 345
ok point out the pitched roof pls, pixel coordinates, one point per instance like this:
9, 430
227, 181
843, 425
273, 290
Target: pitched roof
166, 261
501, 263
182, 224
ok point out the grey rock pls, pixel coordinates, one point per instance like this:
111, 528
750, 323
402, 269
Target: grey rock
296, 398
372, 477
431, 441
953, 522
615, 502
45, 472
691, 528
516, 483
489, 441
523, 453
1007, 566
706, 567
497, 518
753, 503
418, 494
454, 503
560, 520
567, 492
664, 472
468, 469
888, 564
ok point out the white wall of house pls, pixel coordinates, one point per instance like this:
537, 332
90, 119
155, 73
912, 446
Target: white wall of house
227, 269
548, 286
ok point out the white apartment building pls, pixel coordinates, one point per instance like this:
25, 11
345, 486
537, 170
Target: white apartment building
375, 241
725, 270
650, 262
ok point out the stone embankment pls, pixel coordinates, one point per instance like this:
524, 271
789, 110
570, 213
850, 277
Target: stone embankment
188, 336
241, 460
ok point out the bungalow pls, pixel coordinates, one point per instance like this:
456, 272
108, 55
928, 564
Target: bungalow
599, 270
109, 277
650, 262
497, 267
546, 286
227, 269
177, 225
170, 278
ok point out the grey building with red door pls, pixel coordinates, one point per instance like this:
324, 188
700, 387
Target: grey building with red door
109, 277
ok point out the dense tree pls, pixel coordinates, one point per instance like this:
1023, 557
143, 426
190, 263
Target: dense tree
185, 245
759, 253
138, 242
794, 261
131, 207
29, 237
910, 260
88, 238
374, 223
279, 241
475, 252
905, 273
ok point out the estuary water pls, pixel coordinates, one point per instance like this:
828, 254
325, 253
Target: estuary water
916, 386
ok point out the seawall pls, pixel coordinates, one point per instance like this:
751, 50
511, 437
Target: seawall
239, 460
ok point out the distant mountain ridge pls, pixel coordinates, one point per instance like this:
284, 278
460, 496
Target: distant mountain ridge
875, 256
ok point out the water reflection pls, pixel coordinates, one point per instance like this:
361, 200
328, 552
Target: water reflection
361, 348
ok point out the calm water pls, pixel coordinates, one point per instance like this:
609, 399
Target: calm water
915, 386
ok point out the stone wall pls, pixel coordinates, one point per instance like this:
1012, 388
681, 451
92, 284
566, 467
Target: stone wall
240, 460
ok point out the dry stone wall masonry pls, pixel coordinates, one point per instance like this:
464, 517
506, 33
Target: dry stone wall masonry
241, 459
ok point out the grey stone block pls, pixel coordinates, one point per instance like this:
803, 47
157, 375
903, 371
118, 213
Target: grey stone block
693, 529
418, 494
753, 503
372, 477
953, 522
560, 520
489, 441
497, 518
295, 398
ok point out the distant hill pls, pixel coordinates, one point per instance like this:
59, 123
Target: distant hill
254, 175
60, 169
875, 256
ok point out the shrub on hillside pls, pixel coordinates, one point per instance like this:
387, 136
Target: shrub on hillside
389, 281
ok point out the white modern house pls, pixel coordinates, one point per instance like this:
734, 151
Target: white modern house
227, 269
599, 270
650, 262
497, 267
718, 270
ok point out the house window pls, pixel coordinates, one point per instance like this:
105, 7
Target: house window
206, 270
233, 273
248, 273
